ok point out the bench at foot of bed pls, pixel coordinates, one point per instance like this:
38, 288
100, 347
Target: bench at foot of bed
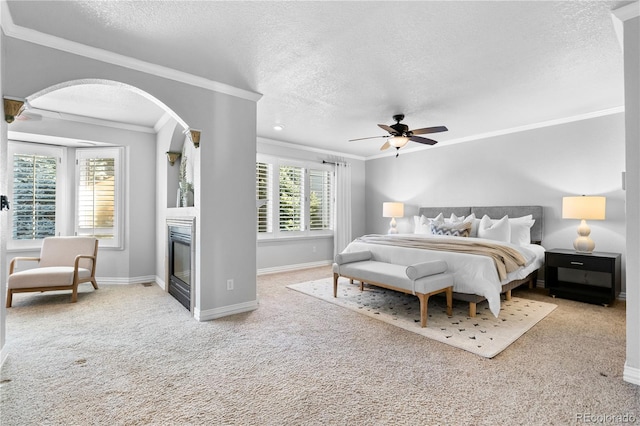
422, 279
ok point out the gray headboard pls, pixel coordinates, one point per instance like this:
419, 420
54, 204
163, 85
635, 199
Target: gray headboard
494, 212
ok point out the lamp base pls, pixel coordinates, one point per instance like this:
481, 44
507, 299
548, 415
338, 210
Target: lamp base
392, 226
584, 244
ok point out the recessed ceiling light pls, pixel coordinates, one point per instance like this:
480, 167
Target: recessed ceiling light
278, 127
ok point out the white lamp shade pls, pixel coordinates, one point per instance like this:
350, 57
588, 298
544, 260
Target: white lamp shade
583, 207
390, 209
398, 141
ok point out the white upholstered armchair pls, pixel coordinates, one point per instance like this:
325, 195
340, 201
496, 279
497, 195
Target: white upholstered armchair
64, 263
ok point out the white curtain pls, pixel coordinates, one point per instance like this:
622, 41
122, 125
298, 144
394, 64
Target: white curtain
342, 208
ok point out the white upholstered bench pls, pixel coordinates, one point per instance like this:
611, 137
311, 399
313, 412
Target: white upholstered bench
421, 279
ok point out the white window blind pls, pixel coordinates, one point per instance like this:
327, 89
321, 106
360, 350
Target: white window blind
263, 196
294, 198
34, 196
98, 206
320, 197
291, 184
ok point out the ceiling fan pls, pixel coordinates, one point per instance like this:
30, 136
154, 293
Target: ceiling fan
399, 134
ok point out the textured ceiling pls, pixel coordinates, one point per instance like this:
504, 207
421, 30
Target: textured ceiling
331, 71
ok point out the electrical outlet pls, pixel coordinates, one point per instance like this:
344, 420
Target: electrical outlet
230, 284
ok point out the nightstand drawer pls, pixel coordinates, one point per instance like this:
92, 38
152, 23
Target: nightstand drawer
580, 262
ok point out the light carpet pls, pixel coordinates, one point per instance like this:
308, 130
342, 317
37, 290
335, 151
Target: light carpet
484, 335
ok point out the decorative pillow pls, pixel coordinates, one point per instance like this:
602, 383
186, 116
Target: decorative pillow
461, 229
499, 230
471, 219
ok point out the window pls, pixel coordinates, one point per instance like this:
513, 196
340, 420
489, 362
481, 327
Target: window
263, 196
98, 195
294, 199
36, 192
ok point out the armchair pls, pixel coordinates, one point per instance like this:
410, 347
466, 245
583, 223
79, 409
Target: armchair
64, 263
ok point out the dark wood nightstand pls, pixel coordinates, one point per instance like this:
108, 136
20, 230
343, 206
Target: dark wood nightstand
599, 281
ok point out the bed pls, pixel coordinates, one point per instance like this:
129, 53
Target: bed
476, 277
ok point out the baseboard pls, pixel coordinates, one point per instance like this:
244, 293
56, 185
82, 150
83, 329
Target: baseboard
287, 268
631, 374
126, 280
161, 283
4, 353
211, 314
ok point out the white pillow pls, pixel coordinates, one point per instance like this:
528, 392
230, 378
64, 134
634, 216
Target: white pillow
521, 231
419, 227
500, 230
422, 224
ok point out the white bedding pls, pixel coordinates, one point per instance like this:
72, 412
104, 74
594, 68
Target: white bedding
473, 274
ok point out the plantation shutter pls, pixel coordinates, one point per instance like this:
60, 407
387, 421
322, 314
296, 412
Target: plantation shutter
34, 196
291, 201
97, 200
263, 192
320, 199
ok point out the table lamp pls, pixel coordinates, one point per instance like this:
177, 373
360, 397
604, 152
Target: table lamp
583, 208
392, 210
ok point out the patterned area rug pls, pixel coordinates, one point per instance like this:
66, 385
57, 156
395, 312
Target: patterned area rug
484, 335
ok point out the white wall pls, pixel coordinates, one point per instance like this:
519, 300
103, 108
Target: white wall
282, 254
534, 167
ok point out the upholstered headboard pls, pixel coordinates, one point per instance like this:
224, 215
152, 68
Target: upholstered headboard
494, 212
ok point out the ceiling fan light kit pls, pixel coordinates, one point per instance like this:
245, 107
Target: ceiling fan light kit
400, 135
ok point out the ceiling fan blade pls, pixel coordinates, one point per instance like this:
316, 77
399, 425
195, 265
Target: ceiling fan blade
385, 146
388, 129
370, 137
426, 130
425, 141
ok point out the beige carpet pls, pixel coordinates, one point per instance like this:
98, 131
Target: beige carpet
132, 355
483, 335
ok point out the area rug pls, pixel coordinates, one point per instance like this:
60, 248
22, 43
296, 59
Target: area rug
484, 335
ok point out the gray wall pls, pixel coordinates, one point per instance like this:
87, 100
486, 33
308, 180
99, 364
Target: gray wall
632, 111
135, 263
227, 156
534, 167
283, 254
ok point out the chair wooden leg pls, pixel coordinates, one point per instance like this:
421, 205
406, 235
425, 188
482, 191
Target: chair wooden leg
9, 297
335, 285
74, 294
94, 283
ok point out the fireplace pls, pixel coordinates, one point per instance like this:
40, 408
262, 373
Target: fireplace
180, 260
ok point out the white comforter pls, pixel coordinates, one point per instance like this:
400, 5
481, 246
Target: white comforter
473, 274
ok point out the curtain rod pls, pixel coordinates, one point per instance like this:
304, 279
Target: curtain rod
334, 163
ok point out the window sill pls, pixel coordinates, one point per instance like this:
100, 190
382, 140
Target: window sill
293, 238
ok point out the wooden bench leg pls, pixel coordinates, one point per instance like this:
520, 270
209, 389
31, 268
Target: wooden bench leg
472, 309
507, 295
424, 301
449, 293
335, 284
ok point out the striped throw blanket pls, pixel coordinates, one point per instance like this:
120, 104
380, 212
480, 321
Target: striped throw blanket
506, 259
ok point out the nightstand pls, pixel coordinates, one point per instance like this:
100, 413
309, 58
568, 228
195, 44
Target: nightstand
587, 277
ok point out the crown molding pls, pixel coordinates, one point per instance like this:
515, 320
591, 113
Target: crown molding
290, 145
550, 123
10, 29
626, 12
